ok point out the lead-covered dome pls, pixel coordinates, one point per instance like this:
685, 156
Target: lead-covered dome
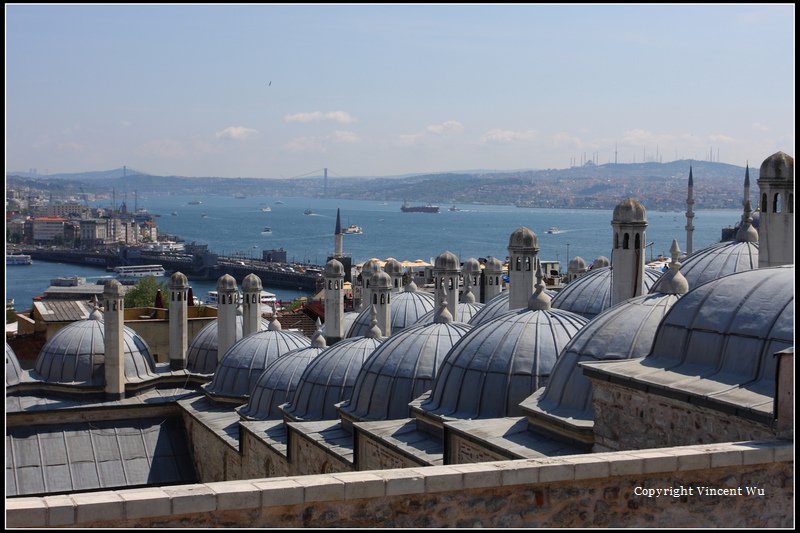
716, 261
523, 238
400, 370
75, 355
625, 331
446, 261
498, 364
251, 283
276, 385
334, 269
13, 370
226, 282
406, 308
464, 313
590, 294
246, 360
329, 379
778, 166
629, 211
178, 280
496, 307
202, 351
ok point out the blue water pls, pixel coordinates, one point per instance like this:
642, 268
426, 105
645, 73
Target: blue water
233, 226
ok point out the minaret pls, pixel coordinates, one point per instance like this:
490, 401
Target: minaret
251, 291
334, 301
113, 328
523, 250
471, 271
627, 256
394, 268
493, 279
338, 236
690, 213
178, 321
776, 225
746, 192
370, 267
226, 314
447, 274
381, 300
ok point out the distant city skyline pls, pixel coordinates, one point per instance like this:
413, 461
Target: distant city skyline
280, 91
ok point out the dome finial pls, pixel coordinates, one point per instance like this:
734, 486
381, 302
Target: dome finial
443, 315
539, 300
673, 282
274, 324
318, 339
374, 331
747, 233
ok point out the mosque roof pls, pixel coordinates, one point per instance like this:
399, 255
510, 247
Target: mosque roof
13, 370
464, 313
715, 261
328, 379
406, 308
778, 166
202, 350
495, 307
401, 369
76, 355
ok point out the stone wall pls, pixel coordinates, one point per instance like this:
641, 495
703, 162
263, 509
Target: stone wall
259, 460
375, 455
615, 489
214, 458
629, 419
462, 451
306, 457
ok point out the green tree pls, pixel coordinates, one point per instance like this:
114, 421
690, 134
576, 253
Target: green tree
143, 294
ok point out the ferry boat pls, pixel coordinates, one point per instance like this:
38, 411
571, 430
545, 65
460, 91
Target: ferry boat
133, 273
18, 259
553, 230
308, 212
267, 298
405, 208
454, 208
353, 229
266, 209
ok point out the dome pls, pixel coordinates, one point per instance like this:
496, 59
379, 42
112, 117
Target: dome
393, 267
76, 355
251, 283
406, 308
329, 379
178, 280
590, 294
778, 166
600, 261
202, 351
716, 261
471, 266
493, 264
500, 363
370, 267
523, 238
276, 385
629, 211
13, 370
245, 361
576, 264
625, 331
497, 306
226, 283
380, 280
447, 262
334, 269
401, 369
464, 313
728, 331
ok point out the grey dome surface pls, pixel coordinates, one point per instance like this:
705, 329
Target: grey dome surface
500, 363
493, 264
333, 269
716, 261
625, 331
13, 370
576, 264
329, 379
202, 351
497, 306
590, 294
600, 261
401, 369
777, 166
727, 330
393, 267
76, 355
629, 211
178, 280
446, 261
522, 239
246, 360
406, 308
464, 313
471, 266
226, 282
381, 280
276, 385
251, 283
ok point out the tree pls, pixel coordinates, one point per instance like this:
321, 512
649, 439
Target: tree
143, 294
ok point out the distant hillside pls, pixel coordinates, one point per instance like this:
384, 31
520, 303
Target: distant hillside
657, 185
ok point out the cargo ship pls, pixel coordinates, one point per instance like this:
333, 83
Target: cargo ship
405, 208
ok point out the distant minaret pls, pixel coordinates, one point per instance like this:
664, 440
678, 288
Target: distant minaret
325, 184
746, 192
178, 321
689, 213
338, 236
251, 312
627, 256
113, 330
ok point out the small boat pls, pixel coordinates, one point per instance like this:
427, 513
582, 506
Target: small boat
454, 208
308, 212
279, 202
204, 215
266, 209
353, 229
239, 196
18, 259
266, 229
553, 230
195, 202
174, 213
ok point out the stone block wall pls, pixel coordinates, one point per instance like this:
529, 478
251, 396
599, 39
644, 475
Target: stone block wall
214, 459
629, 419
374, 455
709, 486
461, 451
306, 457
259, 460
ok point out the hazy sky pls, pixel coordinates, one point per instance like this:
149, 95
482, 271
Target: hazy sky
380, 90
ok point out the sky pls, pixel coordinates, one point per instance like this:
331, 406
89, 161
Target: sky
280, 91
